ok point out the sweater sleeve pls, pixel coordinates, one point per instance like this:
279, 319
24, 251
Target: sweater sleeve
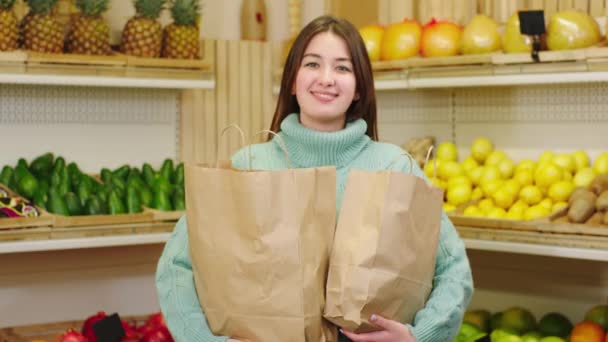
442, 315
176, 292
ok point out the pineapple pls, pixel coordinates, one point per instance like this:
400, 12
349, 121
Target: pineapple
42, 32
89, 33
9, 31
181, 39
142, 35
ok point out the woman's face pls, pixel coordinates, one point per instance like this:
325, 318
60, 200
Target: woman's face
325, 84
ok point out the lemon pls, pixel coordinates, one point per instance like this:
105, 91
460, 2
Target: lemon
503, 198
506, 168
557, 206
601, 164
429, 168
486, 205
514, 215
565, 161
524, 177
490, 173
519, 206
475, 174
495, 157
469, 163
447, 207
473, 211
496, 213
584, 177
490, 187
476, 194
447, 151
512, 186
547, 174
567, 176
560, 191
546, 157
581, 159
439, 183
481, 148
459, 180
459, 194
546, 203
449, 169
526, 164
530, 194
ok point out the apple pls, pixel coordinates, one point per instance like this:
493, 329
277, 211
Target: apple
401, 40
572, 30
480, 36
440, 39
372, 37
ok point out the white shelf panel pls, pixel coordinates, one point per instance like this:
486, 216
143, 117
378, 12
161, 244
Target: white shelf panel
537, 249
85, 242
106, 81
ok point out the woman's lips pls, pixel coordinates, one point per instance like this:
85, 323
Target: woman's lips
323, 96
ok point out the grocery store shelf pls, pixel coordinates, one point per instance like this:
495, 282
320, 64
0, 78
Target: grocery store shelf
83, 242
537, 249
107, 81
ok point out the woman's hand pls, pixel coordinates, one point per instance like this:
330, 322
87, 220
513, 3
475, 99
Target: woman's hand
393, 331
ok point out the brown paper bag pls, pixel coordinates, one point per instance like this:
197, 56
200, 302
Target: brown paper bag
259, 243
383, 258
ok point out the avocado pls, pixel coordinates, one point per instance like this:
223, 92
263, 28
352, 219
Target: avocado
148, 174
179, 174
133, 200
59, 164
6, 175
166, 170
56, 203
161, 184
106, 176
42, 165
161, 201
73, 204
84, 189
23, 163
179, 199
40, 198
27, 183
146, 196
122, 172
95, 206
115, 204
74, 174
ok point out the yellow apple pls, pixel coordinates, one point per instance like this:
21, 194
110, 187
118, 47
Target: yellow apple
372, 37
480, 36
572, 30
512, 39
401, 40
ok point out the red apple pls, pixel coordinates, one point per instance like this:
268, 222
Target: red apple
401, 40
440, 39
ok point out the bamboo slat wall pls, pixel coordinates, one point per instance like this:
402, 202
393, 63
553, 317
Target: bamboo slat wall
243, 95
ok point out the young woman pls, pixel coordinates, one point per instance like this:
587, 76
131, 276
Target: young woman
326, 115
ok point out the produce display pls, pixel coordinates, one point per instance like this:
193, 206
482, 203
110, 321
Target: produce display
180, 39
9, 31
42, 31
418, 148
439, 38
63, 189
89, 33
142, 34
154, 329
517, 324
488, 183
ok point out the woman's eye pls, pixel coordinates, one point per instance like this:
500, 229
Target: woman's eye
343, 68
311, 64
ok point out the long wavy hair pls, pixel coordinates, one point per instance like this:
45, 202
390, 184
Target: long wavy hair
362, 108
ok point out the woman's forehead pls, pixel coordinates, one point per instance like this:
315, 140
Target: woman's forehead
328, 45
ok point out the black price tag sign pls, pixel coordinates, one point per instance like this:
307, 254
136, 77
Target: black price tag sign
109, 329
532, 23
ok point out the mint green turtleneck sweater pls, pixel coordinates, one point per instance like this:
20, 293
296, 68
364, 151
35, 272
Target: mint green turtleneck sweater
349, 148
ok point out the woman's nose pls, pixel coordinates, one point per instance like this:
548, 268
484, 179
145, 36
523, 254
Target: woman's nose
326, 78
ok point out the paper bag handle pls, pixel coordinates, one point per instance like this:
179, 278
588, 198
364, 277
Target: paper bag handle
397, 158
226, 129
281, 143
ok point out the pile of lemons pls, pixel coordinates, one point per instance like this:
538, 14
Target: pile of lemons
490, 184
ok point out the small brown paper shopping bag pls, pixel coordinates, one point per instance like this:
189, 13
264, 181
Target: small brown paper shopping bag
383, 258
259, 244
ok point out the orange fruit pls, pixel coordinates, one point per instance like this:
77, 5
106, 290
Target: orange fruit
587, 332
401, 40
372, 37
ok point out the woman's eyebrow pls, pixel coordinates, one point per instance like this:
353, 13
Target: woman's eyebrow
340, 59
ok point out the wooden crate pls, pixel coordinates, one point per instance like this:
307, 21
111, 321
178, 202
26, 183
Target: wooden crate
49, 331
101, 220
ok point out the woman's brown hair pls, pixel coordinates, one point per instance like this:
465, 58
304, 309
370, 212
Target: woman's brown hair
363, 108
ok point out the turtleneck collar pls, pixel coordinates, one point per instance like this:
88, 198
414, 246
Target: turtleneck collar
310, 148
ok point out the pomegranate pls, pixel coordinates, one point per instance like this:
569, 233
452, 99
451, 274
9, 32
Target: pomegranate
71, 336
440, 39
131, 334
156, 319
401, 40
87, 326
158, 334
